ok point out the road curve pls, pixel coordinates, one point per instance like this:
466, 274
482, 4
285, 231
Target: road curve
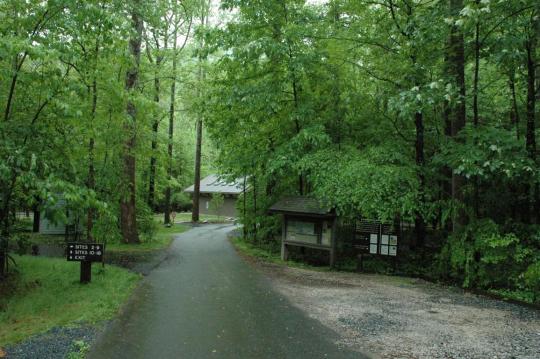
204, 301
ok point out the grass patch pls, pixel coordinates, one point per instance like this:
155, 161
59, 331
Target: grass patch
162, 239
271, 254
47, 294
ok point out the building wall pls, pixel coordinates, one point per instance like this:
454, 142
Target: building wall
48, 227
228, 209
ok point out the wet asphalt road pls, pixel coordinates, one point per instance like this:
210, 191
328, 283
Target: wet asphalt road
204, 301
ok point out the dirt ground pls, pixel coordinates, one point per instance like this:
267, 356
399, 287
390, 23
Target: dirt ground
393, 317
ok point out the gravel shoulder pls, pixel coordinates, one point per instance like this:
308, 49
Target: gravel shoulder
59, 342
394, 317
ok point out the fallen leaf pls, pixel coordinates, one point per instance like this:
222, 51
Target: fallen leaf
2, 353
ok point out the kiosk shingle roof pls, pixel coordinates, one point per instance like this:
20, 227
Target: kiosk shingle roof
301, 205
213, 184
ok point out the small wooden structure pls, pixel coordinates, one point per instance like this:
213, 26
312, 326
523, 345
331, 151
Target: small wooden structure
306, 223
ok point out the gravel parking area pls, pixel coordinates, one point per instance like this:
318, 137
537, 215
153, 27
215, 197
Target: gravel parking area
393, 317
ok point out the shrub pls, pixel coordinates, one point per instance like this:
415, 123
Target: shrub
532, 279
481, 256
106, 228
23, 243
146, 224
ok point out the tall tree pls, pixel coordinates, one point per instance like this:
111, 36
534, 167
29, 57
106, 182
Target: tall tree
204, 15
172, 104
157, 62
533, 88
457, 111
128, 214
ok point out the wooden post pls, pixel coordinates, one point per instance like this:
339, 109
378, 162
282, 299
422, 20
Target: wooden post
284, 250
2, 261
360, 263
86, 272
333, 244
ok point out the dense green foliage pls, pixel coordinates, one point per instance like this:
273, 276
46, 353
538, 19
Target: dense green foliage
372, 107
67, 127
420, 112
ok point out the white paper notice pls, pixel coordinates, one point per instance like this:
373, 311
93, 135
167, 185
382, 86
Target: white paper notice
373, 248
373, 238
393, 240
384, 239
384, 250
393, 251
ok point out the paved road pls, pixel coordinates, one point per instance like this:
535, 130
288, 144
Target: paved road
205, 302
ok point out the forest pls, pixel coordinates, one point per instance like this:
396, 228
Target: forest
414, 111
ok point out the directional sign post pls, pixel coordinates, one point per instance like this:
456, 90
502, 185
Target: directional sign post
86, 253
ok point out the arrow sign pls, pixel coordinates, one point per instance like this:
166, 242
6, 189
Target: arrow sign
85, 252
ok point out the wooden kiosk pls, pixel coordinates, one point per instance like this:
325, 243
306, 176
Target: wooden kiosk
306, 223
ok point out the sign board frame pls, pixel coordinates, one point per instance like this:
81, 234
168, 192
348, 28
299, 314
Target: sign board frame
376, 238
85, 253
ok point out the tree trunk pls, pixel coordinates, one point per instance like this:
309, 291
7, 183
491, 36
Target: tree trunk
37, 216
3, 259
244, 228
91, 167
514, 113
168, 190
419, 223
530, 135
5, 225
296, 122
152, 171
17, 65
457, 116
197, 180
517, 205
155, 127
531, 97
254, 208
198, 146
536, 29
296, 101
91, 186
195, 211
446, 172
128, 215
456, 66
476, 71
476, 120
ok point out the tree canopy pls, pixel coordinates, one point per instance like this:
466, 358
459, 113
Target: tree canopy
419, 112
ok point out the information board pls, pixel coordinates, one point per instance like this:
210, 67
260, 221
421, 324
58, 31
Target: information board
372, 237
85, 252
